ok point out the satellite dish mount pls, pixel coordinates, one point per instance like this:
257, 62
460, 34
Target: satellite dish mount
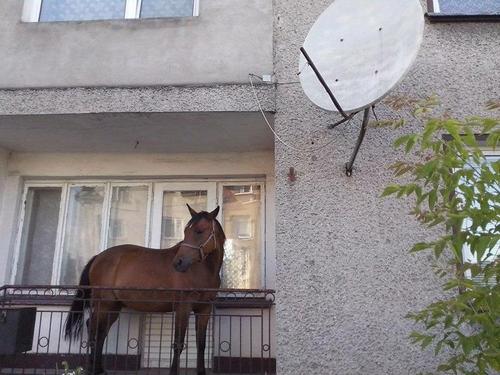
346, 117
360, 51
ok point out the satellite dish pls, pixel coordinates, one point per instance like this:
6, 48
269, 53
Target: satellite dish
362, 48
356, 52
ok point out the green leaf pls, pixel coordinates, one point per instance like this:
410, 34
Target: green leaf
420, 246
389, 190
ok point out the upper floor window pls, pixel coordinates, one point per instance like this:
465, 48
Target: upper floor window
87, 10
463, 10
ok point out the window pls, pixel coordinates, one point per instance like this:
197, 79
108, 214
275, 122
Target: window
241, 214
463, 10
87, 10
493, 254
41, 220
64, 224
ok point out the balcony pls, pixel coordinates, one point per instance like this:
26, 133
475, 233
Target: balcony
240, 333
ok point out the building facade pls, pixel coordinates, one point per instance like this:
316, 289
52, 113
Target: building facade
107, 127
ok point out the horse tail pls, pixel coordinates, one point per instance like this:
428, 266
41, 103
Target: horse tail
74, 321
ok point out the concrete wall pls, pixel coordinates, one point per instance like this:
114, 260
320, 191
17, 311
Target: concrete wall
345, 279
228, 40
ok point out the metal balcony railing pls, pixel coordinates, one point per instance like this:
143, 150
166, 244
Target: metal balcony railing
240, 333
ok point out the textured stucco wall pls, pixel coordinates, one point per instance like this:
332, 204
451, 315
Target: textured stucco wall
228, 40
344, 278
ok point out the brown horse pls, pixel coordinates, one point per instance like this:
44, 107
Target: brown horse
194, 263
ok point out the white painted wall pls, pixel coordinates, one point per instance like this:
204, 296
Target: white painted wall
39, 166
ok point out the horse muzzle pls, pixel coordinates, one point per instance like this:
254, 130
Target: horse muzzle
182, 264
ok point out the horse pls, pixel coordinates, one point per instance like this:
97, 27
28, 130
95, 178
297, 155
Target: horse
109, 279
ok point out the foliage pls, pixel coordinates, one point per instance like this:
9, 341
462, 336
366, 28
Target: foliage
68, 371
457, 194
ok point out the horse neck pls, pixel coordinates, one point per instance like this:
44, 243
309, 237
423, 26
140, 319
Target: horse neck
217, 258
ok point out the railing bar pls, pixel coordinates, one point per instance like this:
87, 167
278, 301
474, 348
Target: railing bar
140, 340
161, 340
39, 332
185, 347
128, 340
218, 344
241, 348
262, 341
60, 331
117, 339
269, 340
49, 338
107, 288
230, 344
251, 345
149, 341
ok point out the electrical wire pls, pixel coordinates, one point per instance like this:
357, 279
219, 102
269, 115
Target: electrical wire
300, 150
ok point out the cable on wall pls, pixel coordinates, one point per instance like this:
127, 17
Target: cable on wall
289, 146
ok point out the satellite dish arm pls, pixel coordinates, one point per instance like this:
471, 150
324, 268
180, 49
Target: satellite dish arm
361, 137
323, 83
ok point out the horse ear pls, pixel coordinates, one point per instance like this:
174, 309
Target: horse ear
191, 211
215, 212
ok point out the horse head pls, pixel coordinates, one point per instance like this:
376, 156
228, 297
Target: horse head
203, 235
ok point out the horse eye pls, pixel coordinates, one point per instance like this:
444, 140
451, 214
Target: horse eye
199, 231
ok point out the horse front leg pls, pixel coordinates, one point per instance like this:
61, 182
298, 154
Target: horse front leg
202, 319
181, 324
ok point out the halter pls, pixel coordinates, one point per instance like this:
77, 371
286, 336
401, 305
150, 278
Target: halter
203, 256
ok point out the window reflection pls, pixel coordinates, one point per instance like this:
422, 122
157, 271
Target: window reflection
81, 10
242, 223
166, 8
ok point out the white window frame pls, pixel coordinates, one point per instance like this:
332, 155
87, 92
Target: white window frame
20, 229
434, 8
154, 208
32, 9
159, 188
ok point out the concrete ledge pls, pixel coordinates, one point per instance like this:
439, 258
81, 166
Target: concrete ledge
228, 98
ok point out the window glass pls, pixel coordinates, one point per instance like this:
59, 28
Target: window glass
128, 216
469, 7
38, 239
79, 10
82, 233
166, 8
175, 214
242, 225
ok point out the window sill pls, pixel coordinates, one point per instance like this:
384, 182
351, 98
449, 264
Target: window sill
441, 17
123, 21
